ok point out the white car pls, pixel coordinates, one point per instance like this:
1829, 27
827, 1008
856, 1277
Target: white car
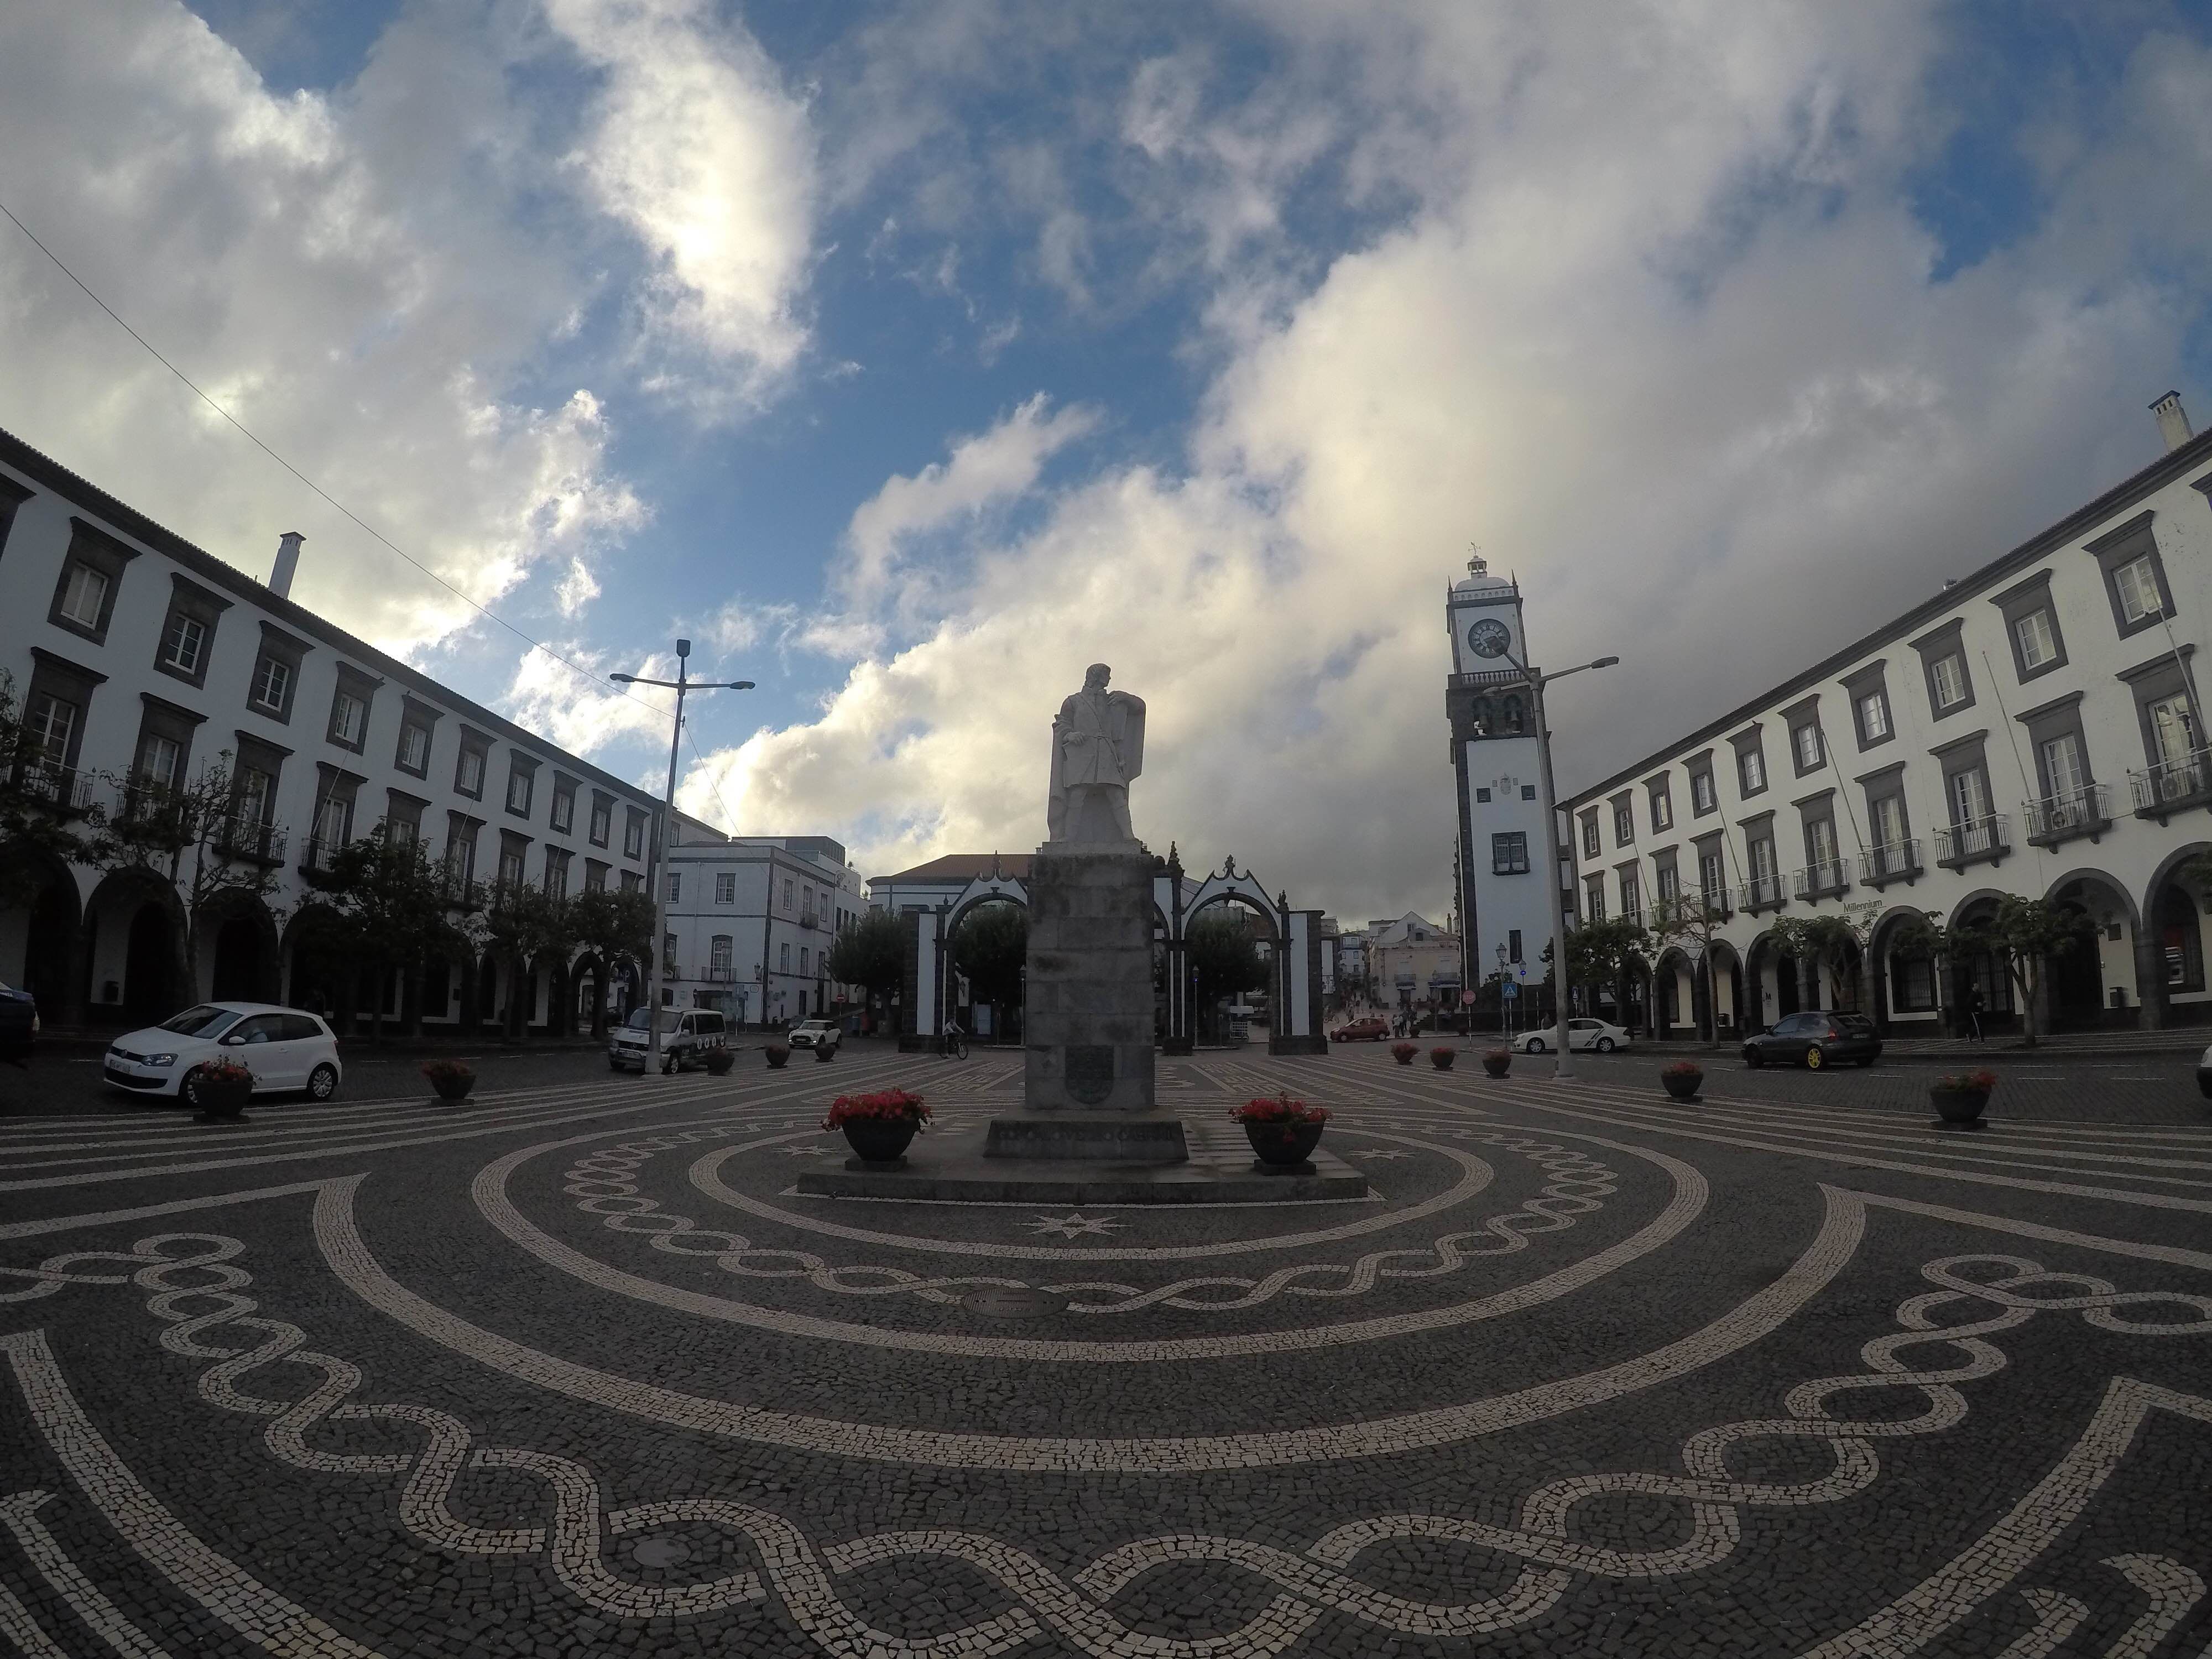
283, 1047
1580, 1034
815, 1034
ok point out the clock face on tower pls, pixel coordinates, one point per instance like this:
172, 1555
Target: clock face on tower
1488, 638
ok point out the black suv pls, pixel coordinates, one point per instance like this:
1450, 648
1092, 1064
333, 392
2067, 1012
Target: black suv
1815, 1040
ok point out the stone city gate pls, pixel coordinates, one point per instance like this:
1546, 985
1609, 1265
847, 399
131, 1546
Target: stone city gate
1295, 988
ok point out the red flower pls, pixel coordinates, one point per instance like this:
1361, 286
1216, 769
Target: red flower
886, 1105
1281, 1111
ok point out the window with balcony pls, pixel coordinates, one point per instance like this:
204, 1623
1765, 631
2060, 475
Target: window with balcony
720, 952
1632, 895
50, 734
1764, 888
557, 872
1668, 883
161, 762
1509, 853
595, 876
632, 882
510, 867
1593, 899
1711, 876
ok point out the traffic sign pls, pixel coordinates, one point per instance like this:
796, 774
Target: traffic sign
1466, 998
1510, 989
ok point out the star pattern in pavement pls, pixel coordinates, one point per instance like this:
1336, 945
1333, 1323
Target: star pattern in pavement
1073, 1226
1370, 1155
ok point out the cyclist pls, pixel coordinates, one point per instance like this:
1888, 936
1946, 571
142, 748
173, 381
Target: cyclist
954, 1043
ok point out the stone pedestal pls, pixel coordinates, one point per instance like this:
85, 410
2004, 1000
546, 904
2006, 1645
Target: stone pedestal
1088, 1006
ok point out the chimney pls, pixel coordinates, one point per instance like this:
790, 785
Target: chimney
2172, 422
287, 561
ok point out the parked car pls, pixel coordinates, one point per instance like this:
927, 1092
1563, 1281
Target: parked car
1815, 1040
686, 1034
815, 1034
1581, 1034
1373, 1028
19, 1024
283, 1047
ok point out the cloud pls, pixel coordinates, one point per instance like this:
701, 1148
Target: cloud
698, 148
587, 715
1654, 323
984, 470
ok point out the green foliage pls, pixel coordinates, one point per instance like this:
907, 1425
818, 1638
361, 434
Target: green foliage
1600, 952
615, 924
872, 952
989, 946
29, 815
1220, 948
2023, 933
1836, 939
384, 903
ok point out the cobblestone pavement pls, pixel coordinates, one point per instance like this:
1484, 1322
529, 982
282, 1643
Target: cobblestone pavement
572, 1370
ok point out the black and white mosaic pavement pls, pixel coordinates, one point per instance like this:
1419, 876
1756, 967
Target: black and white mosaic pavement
576, 1370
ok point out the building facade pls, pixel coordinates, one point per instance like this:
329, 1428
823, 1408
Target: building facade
137, 660
1504, 911
2035, 728
1412, 964
751, 923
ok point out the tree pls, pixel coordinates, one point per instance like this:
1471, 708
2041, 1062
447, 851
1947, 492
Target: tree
990, 946
1600, 953
34, 808
1221, 952
2024, 932
186, 835
616, 925
521, 923
1698, 924
871, 953
385, 902
1837, 939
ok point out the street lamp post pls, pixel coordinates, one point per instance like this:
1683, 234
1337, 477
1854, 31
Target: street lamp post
664, 834
1537, 682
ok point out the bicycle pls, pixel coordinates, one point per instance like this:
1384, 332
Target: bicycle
953, 1045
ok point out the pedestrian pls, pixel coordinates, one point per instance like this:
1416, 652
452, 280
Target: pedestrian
1971, 1008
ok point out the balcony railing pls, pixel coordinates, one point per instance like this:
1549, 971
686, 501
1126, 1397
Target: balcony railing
2172, 784
57, 788
462, 892
2084, 811
1976, 842
808, 920
247, 838
720, 974
1762, 893
320, 849
1897, 861
153, 812
1820, 880
1715, 900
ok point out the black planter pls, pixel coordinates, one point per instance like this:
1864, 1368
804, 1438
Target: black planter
776, 1057
1682, 1088
824, 1053
880, 1139
1496, 1067
719, 1062
221, 1102
453, 1090
1441, 1059
1960, 1106
1284, 1146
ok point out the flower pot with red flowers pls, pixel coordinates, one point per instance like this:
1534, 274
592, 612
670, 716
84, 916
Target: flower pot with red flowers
452, 1078
1403, 1053
219, 1090
1959, 1100
719, 1062
777, 1053
825, 1052
1497, 1062
1283, 1132
1442, 1058
879, 1126
1682, 1079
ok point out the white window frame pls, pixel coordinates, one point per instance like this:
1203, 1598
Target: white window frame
83, 580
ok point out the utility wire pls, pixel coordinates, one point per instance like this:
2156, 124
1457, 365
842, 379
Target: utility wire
596, 678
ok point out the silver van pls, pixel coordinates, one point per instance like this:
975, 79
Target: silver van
686, 1034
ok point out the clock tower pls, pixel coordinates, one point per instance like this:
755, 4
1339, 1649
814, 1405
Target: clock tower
1504, 909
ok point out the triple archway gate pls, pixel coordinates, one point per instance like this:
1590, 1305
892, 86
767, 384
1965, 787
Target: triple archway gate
1294, 936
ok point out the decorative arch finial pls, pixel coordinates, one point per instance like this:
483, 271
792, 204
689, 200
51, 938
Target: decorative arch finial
1476, 564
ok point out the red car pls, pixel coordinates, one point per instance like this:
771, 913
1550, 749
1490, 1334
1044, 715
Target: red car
1373, 1028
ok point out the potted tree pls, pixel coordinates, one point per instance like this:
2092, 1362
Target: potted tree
1497, 1062
1442, 1057
777, 1053
452, 1078
1283, 1132
1403, 1053
1682, 1079
221, 1089
879, 1126
1959, 1100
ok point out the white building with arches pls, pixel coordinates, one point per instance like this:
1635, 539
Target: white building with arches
2035, 727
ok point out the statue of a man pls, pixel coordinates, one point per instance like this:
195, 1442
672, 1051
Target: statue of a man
1098, 746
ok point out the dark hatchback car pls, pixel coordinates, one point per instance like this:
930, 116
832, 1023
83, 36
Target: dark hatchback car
1814, 1040
19, 1023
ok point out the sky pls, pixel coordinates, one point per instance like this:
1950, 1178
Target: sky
909, 357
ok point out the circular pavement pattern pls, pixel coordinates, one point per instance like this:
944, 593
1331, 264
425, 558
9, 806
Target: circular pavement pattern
578, 1369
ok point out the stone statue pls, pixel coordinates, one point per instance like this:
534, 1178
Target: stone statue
1097, 747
